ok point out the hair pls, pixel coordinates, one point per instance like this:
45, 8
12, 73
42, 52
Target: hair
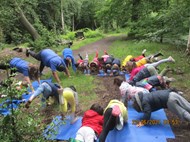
117, 81
130, 65
93, 70
108, 66
33, 72
115, 67
61, 68
93, 64
73, 88
136, 106
100, 59
97, 108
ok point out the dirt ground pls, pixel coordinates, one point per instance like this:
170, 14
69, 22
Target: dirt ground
105, 91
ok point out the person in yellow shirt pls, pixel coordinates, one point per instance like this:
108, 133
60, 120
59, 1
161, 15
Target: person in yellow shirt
131, 58
115, 115
69, 97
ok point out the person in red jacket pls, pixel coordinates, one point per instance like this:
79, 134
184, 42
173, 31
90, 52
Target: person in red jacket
92, 124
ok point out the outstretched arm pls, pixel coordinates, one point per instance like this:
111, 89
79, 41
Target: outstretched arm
38, 91
27, 79
55, 75
67, 72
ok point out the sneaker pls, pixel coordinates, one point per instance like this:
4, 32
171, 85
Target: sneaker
143, 51
27, 52
116, 110
171, 59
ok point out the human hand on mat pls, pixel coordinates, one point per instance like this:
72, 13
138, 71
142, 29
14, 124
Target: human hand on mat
140, 124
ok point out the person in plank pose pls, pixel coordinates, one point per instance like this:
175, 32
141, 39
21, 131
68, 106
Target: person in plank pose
49, 58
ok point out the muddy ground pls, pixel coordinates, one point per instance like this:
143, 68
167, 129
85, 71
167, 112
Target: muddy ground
106, 91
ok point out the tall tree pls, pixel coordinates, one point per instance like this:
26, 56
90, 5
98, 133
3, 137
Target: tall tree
29, 27
62, 17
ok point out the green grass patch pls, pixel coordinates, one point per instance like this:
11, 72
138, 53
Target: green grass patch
80, 43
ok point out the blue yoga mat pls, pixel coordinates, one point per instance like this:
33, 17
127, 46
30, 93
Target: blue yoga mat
5, 109
62, 129
102, 74
127, 76
131, 133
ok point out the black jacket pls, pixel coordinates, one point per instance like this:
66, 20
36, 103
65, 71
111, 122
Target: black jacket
144, 73
153, 101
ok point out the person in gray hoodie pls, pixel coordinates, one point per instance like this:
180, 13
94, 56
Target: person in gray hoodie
170, 99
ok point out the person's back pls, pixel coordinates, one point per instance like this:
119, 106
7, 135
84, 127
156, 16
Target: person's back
129, 90
21, 65
155, 100
47, 55
67, 52
126, 60
92, 124
141, 62
135, 71
94, 120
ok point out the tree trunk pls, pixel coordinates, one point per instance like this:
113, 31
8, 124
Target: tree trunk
188, 45
28, 25
73, 23
62, 17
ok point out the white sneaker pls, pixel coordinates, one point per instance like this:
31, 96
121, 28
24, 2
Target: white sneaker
143, 51
171, 59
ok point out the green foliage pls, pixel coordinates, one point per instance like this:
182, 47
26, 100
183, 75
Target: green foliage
92, 34
69, 36
47, 39
18, 126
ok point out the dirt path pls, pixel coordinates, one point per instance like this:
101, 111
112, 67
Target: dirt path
100, 45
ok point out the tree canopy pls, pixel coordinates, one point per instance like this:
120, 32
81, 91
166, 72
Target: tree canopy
25, 20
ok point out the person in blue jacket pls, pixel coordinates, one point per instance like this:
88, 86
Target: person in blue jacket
170, 99
69, 58
50, 59
30, 71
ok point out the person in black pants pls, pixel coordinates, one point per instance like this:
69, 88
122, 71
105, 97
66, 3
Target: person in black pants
115, 115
